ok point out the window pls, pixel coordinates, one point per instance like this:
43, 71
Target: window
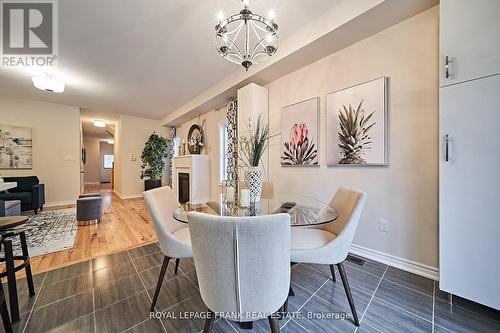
222, 152
108, 161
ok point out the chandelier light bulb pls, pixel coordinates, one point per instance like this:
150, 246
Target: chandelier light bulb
245, 2
220, 15
271, 15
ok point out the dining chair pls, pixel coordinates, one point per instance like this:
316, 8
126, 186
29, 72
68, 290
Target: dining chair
329, 243
173, 236
242, 265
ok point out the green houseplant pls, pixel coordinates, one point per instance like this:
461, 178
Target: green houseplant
156, 149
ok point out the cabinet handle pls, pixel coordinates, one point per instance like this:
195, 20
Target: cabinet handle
447, 67
446, 148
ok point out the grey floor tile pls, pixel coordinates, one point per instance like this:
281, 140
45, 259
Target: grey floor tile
410, 280
150, 260
292, 327
81, 325
477, 308
408, 299
68, 272
59, 313
319, 316
361, 280
187, 316
150, 276
26, 301
173, 292
22, 284
387, 318
259, 326
308, 278
325, 269
17, 327
124, 314
334, 293
113, 273
441, 295
439, 329
65, 288
370, 266
187, 265
107, 294
223, 326
109, 260
459, 319
301, 296
365, 328
144, 250
148, 326
193, 277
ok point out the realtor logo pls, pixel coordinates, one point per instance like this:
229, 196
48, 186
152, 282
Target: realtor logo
29, 32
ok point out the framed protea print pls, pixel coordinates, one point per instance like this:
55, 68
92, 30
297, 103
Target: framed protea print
300, 133
357, 125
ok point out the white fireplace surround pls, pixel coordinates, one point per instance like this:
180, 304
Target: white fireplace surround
197, 167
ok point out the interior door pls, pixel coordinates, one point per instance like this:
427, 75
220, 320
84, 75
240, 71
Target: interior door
470, 37
470, 190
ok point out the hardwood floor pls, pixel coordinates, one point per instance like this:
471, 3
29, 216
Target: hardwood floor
126, 224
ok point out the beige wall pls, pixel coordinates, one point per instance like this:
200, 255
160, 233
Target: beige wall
56, 145
130, 135
91, 168
405, 192
211, 145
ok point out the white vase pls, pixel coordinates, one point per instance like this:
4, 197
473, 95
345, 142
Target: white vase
253, 182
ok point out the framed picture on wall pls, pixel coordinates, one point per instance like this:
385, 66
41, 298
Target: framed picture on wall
16, 149
300, 133
356, 131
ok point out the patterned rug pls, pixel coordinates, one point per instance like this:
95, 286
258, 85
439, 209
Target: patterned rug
53, 231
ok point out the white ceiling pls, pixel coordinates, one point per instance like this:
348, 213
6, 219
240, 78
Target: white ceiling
148, 57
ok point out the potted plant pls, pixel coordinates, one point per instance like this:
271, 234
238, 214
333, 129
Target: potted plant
156, 149
253, 148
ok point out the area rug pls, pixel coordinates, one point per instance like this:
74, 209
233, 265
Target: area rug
52, 231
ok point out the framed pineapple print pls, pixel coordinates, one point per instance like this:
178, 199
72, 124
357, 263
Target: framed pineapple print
357, 125
300, 133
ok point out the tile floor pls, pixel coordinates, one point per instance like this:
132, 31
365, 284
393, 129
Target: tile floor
113, 293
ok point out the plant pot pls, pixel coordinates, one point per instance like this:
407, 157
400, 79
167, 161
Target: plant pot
253, 182
150, 184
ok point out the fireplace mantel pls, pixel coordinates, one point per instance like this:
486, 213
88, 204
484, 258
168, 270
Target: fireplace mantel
193, 172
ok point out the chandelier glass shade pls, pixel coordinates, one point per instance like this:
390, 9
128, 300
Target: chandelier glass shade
246, 38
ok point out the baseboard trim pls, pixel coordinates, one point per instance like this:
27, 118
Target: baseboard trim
91, 183
397, 262
60, 203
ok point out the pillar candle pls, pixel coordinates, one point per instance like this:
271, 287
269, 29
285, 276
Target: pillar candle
244, 198
230, 193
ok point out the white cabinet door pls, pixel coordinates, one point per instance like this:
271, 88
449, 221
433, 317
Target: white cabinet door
470, 190
470, 37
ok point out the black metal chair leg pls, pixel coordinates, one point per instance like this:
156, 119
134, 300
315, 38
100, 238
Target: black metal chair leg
209, 322
164, 267
347, 289
176, 265
4, 312
273, 322
11, 280
27, 268
332, 269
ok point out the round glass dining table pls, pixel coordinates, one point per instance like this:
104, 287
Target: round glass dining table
303, 210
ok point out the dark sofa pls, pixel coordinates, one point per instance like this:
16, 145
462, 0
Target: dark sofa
29, 191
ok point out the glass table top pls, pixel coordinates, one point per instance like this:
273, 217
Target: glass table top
304, 210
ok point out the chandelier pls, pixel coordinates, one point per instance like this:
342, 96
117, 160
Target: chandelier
246, 38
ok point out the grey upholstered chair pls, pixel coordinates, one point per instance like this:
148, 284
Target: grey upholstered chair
330, 244
173, 236
242, 265
88, 208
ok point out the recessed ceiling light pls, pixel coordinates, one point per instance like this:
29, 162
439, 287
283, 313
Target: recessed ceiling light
48, 84
99, 123
111, 142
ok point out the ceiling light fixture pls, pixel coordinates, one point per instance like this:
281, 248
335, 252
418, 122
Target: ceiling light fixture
111, 142
99, 123
246, 38
48, 83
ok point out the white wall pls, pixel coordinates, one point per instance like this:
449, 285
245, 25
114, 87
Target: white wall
91, 167
130, 135
211, 145
406, 192
56, 145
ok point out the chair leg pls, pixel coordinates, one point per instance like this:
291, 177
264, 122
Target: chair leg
4, 312
27, 268
164, 267
332, 269
36, 211
176, 265
209, 322
11, 281
347, 289
273, 322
